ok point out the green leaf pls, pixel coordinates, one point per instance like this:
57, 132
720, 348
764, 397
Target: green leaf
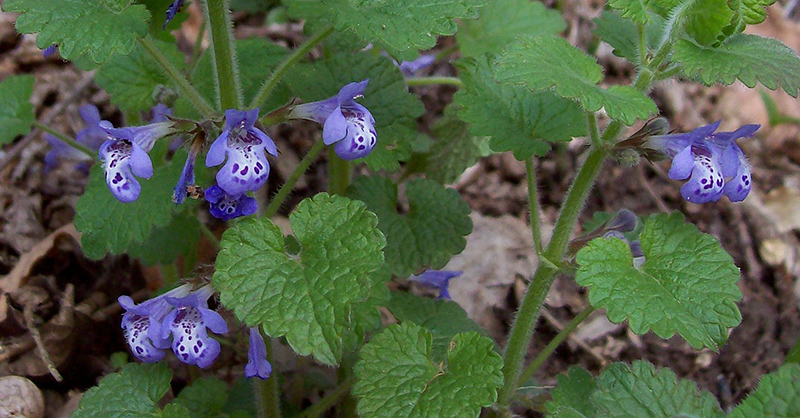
204, 398
131, 79
749, 58
99, 28
753, 12
158, 15
503, 20
572, 74
640, 390
308, 298
454, 150
387, 98
777, 396
110, 226
16, 110
635, 10
175, 411
443, 318
708, 22
517, 119
572, 395
686, 285
165, 244
401, 28
396, 377
427, 235
133, 392
623, 36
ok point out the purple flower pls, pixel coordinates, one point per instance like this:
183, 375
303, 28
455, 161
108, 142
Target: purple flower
172, 10
226, 206
124, 155
188, 323
187, 175
142, 324
257, 364
247, 167
707, 159
410, 68
439, 279
91, 137
344, 122
50, 50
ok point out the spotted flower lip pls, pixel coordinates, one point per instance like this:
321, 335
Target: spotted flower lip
345, 123
244, 145
225, 206
188, 324
142, 324
712, 161
257, 364
439, 279
124, 156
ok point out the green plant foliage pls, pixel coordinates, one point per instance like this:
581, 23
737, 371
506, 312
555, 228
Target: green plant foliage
686, 285
164, 244
517, 119
387, 98
204, 398
99, 28
443, 318
777, 396
572, 395
397, 378
133, 392
572, 74
110, 226
454, 150
748, 58
501, 21
131, 79
426, 236
308, 298
16, 110
623, 35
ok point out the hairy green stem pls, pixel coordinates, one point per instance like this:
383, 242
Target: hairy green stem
641, 30
278, 73
226, 71
210, 236
339, 172
347, 403
198, 48
592, 130
71, 142
534, 210
430, 81
287, 187
528, 314
186, 89
268, 395
329, 400
548, 350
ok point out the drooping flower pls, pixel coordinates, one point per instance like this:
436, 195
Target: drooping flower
142, 324
410, 68
124, 155
257, 364
188, 324
187, 175
91, 137
439, 279
172, 10
713, 162
247, 167
344, 122
225, 206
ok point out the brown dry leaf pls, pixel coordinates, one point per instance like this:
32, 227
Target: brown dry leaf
19, 397
498, 251
14, 280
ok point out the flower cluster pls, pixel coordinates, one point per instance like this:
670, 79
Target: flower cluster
181, 319
712, 161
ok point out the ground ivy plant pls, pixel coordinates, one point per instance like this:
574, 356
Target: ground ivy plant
196, 146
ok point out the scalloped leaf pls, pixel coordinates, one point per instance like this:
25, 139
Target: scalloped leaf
307, 297
16, 110
133, 392
428, 234
777, 395
397, 378
688, 283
